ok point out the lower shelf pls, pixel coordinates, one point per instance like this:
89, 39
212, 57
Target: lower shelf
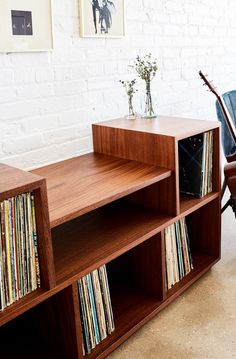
35, 334
132, 307
129, 315
202, 263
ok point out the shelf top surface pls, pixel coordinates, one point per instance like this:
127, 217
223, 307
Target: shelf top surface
79, 185
14, 180
167, 126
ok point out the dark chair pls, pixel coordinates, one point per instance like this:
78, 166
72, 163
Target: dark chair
229, 146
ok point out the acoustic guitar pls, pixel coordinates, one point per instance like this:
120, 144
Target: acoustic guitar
230, 168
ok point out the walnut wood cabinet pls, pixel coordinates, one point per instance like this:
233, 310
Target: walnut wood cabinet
109, 207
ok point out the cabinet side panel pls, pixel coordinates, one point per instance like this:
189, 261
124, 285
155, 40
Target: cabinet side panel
47, 269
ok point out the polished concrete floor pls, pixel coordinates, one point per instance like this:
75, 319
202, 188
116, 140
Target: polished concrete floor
202, 322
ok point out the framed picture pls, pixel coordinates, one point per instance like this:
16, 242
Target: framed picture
102, 18
26, 25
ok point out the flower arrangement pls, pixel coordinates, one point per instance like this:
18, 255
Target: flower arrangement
146, 69
129, 87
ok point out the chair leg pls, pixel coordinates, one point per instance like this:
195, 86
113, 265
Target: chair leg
227, 204
223, 189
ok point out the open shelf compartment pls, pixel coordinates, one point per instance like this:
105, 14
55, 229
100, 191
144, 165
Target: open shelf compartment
205, 249
15, 182
136, 288
32, 335
197, 162
86, 243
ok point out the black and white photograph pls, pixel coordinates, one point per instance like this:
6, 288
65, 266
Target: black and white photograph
26, 25
21, 22
102, 18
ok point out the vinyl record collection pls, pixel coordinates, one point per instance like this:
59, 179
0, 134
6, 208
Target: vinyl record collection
19, 260
177, 252
196, 163
96, 309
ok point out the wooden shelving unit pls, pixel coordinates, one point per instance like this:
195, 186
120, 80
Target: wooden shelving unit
111, 207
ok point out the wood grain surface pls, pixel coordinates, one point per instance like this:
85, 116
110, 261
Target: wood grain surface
81, 184
14, 181
177, 127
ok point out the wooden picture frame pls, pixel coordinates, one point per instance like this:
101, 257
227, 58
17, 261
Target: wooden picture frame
26, 25
102, 18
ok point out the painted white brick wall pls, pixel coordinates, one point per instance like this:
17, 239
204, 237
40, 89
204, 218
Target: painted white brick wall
49, 100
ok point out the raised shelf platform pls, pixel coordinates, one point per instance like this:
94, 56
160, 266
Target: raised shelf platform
84, 183
162, 125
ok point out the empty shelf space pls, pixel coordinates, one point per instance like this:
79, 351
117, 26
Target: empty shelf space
29, 353
21, 306
84, 244
190, 204
81, 184
32, 335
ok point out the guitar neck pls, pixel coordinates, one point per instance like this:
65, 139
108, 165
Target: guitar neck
224, 109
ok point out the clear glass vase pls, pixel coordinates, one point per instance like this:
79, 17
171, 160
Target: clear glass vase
131, 114
148, 105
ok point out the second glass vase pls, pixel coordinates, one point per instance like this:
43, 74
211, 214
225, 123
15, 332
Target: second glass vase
148, 105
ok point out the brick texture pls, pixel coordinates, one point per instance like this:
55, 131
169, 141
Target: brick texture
49, 100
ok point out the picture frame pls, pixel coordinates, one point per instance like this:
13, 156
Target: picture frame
26, 25
102, 18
